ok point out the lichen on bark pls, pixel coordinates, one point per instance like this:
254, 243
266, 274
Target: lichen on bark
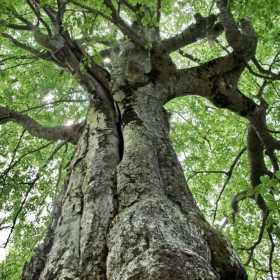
129, 214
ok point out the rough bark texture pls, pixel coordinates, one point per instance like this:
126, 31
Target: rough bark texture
130, 220
125, 211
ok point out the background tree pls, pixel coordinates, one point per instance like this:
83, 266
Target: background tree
96, 75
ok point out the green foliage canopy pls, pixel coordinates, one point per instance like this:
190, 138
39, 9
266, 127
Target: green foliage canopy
211, 143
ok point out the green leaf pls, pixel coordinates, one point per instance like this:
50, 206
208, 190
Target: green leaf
265, 179
277, 174
269, 197
240, 197
271, 205
273, 182
206, 138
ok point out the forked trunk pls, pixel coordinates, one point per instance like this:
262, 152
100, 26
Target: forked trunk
125, 211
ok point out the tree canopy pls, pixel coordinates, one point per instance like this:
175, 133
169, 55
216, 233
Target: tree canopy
233, 175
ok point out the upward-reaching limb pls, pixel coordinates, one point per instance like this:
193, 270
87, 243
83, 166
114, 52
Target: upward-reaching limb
202, 28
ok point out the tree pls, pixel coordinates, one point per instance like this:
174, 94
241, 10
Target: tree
124, 210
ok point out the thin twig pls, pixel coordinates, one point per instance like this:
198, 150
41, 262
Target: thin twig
229, 174
271, 255
50, 104
31, 184
258, 241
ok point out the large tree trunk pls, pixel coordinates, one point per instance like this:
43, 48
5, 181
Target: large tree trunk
125, 211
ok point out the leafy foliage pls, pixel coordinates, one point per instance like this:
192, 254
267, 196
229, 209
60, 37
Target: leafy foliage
210, 142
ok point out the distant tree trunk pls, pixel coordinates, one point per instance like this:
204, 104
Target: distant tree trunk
125, 211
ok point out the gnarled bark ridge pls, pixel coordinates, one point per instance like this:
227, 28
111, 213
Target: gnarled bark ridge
125, 211
130, 216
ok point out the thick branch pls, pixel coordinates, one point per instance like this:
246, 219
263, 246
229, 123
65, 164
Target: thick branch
67, 54
56, 17
20, 45
203, 28
255, 149
158, 10
46, 42
61, 10
217, 80
18, 27
22, 19
256, 157
123, 26
70, 133
43, 55
243, 44
257, 121
200, 79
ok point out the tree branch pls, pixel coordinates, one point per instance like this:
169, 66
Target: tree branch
18, 27
51, 104
31, 185
4, 173
116, 20
262, 70
191, 80
47, 55
271, 254
158, 10
56, 17
91, 10
14, 162
186, 55
261, 129
67, 54
256, 157
255, 150
20, 45
123, 26
21, 57
129, 6
258, 241
37, 12
70, 133
196, 31
243, 44
274, 76
219, 85
60, 14
229, 174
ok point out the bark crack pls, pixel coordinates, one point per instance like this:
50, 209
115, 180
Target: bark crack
119, 130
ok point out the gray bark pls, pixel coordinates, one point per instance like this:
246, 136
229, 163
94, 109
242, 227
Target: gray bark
127, 212
69, 133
